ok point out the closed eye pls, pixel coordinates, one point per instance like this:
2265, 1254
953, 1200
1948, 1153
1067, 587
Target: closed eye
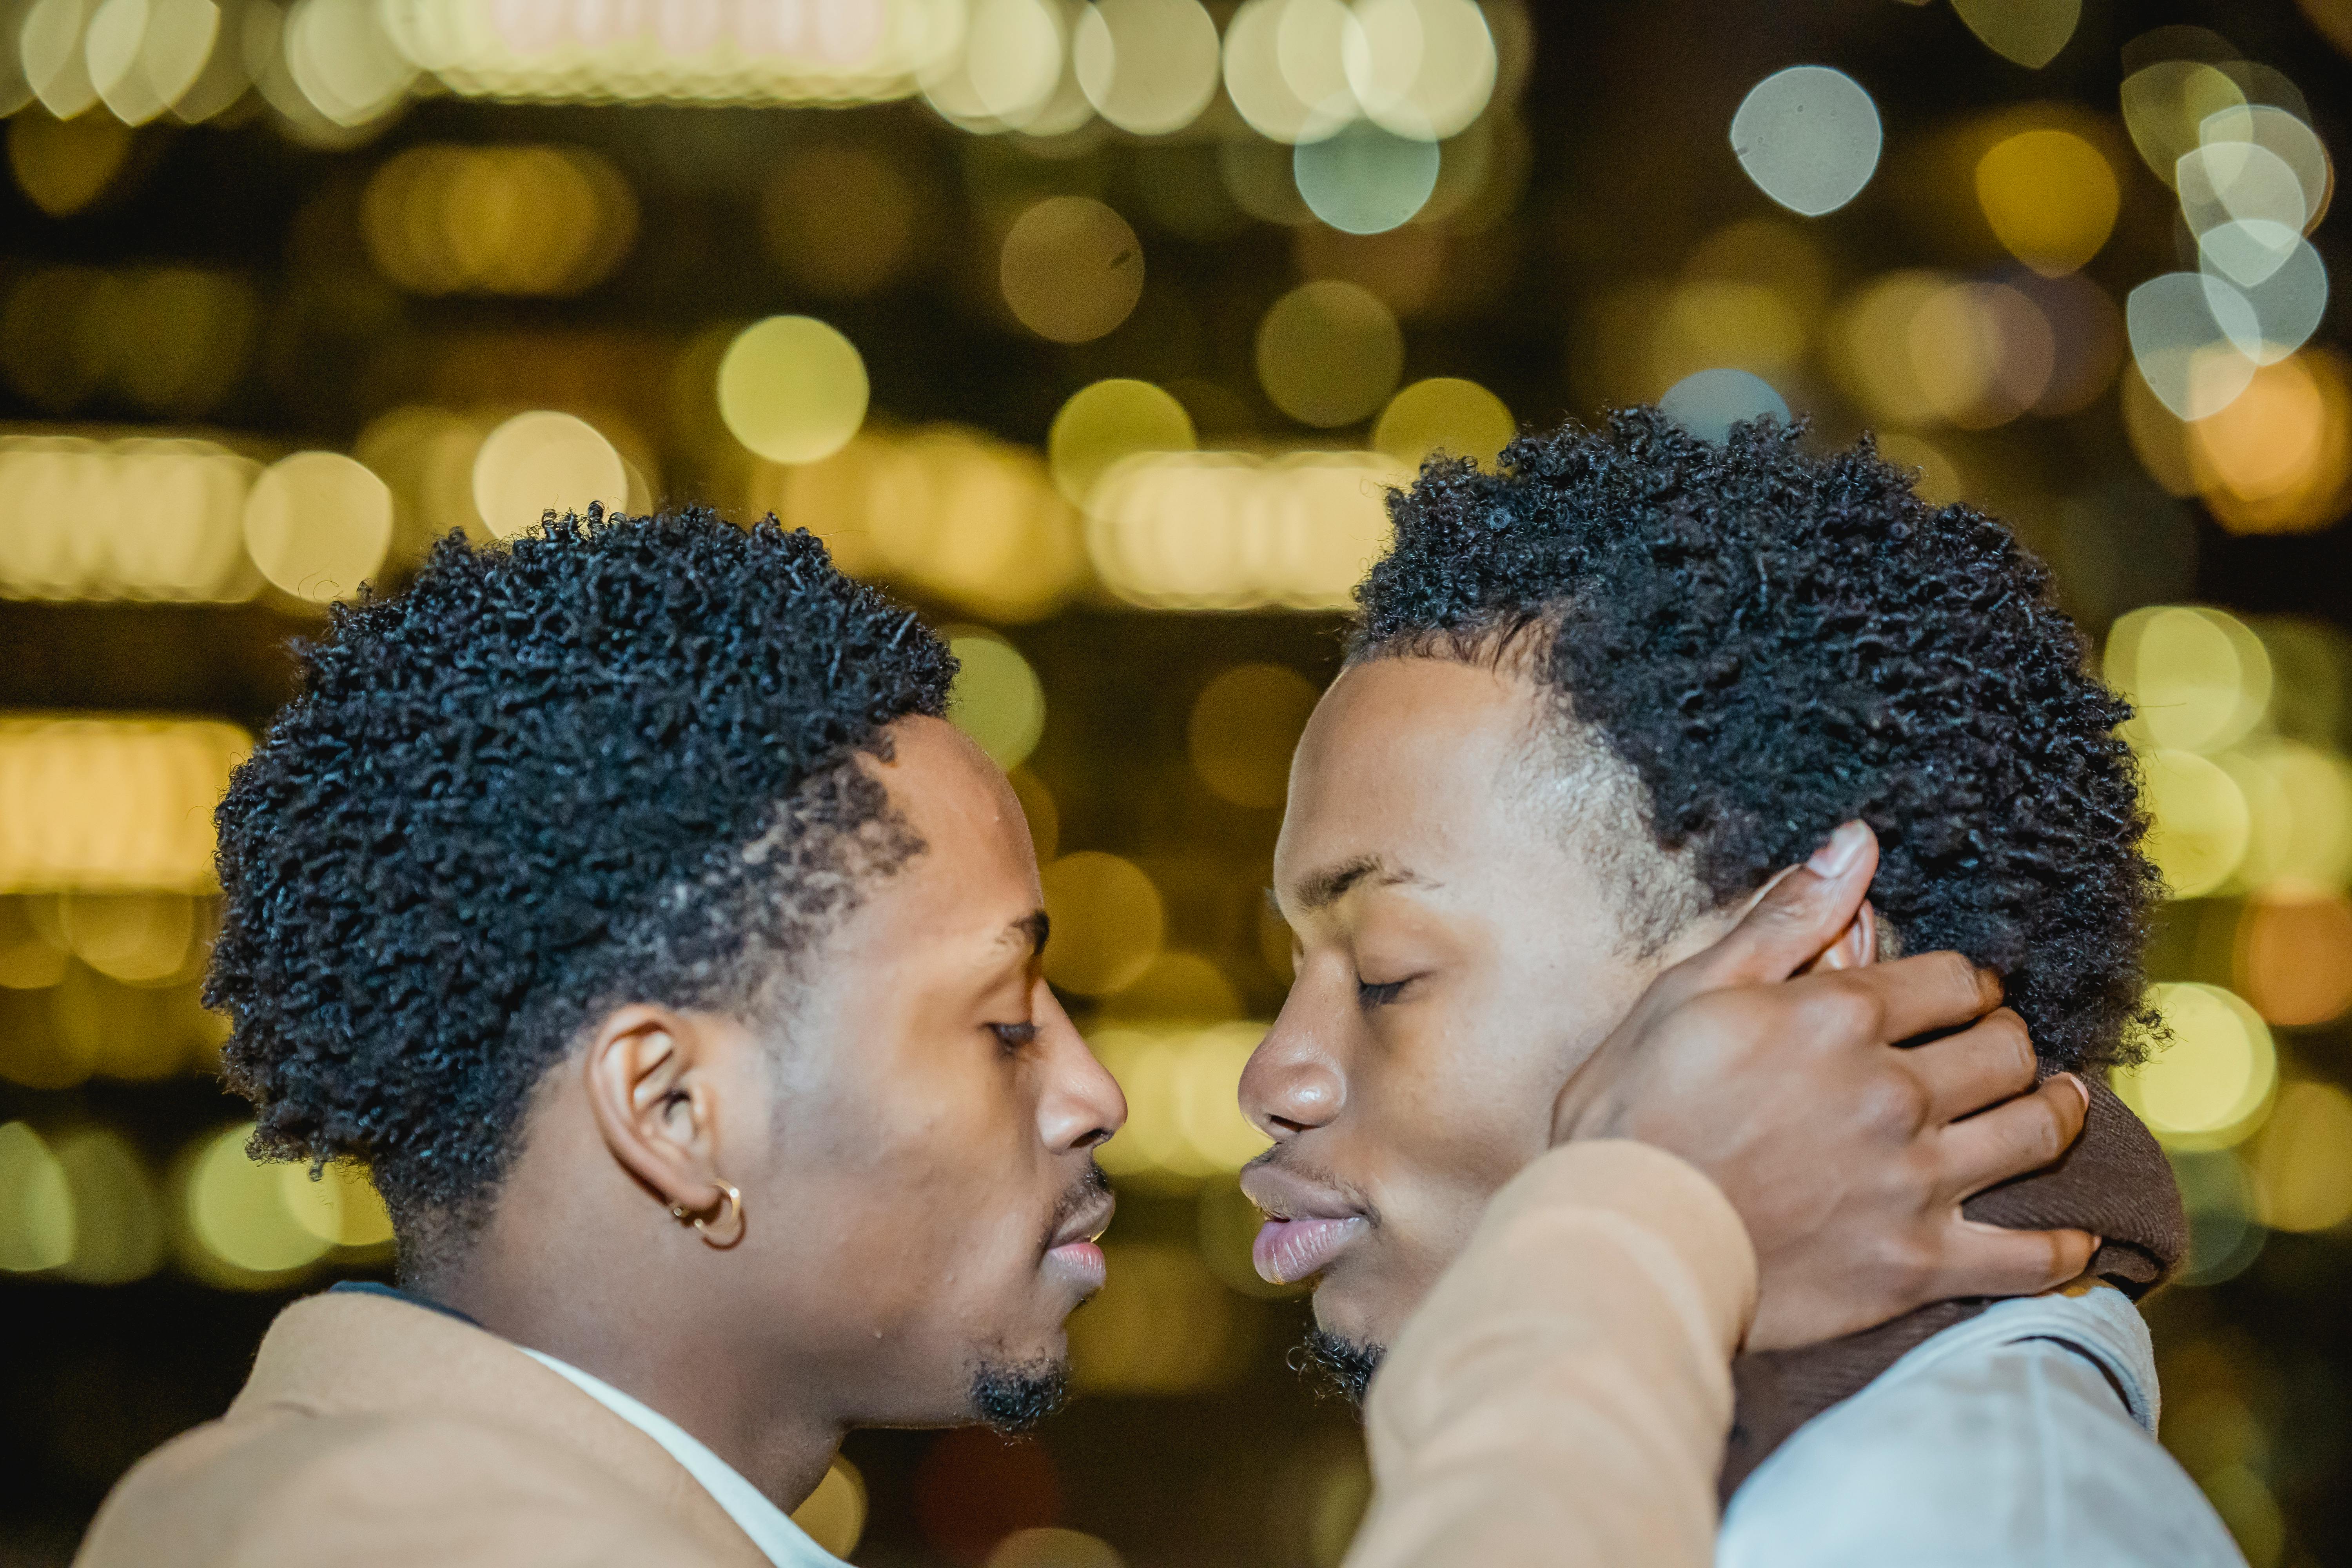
1012, 1036
1370, 995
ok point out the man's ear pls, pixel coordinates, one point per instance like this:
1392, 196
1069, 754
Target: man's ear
1857, 947
652, 1091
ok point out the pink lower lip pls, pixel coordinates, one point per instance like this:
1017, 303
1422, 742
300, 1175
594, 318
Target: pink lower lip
1082, 1260
1291, 1249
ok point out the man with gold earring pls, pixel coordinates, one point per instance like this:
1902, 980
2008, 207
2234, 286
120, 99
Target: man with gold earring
619, 897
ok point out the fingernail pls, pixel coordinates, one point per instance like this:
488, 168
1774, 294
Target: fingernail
2080, 1088
1832, 857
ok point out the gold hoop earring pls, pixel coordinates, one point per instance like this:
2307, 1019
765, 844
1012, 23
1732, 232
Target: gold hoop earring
733, 1198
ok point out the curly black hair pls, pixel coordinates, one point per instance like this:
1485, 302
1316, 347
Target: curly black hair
613, 761
1774, 642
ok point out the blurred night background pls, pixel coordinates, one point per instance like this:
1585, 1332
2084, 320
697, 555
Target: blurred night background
1094, 329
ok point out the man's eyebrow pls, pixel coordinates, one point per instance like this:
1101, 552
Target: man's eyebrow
1029, 932
1329, 886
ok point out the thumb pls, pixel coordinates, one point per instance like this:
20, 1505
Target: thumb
1796, 916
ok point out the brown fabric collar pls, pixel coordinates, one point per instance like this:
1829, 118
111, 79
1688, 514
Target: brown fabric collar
2114, 1183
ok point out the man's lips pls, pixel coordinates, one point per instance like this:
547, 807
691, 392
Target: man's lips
1307, 1226
1072, 1250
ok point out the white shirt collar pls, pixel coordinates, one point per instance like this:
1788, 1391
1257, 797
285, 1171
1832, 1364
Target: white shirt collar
772, 1530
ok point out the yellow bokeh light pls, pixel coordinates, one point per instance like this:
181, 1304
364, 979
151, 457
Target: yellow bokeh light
2029, 32
2198, 677
118, 1220
1870, 343
1186, 987
2278, 459
1286, 71
137, 519
792, 389
1148, 67
2199, 822
139, 939
1443, 414
1712, 323
1328, 352
1109, 922
1071, 268
1046, 1547
544, 461
1937, 479
1107, 423
1005, 75
97, 803
2294, 956
36, 1213
2302, 1160
2165, 104
340, 1207
238, 1214
1182, 1085
959, 516
834, 1516
318, 524
2050, 198
1162, 1325
1422, 69
2208, 1086
497, 220
997, 699
2302, 831
1231, 530
1982, 353
1244, 725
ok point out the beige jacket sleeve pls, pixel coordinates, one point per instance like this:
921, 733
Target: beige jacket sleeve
1563, 1396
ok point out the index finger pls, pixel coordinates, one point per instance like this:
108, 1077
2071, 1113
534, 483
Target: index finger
1794, 917
1925, 991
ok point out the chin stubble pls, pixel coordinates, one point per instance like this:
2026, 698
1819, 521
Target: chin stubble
1013, 1398
1338, 1365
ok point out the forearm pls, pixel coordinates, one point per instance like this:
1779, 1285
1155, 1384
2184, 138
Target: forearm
1562, 1396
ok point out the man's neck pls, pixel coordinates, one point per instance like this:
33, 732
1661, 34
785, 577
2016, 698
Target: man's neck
761, 1419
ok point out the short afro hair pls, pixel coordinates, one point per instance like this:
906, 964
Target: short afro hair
1773, 643
613, 761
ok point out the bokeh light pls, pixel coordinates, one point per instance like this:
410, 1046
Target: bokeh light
834, 1516
1443, 414
997, 699
119, 1229
2201, 823
792, 389
2303, 1160
243, 1230
497, 220
1420, 68
1365, 179
2166, 106
1234, 531
339, 1206
111, 804
1109, 922
1105, 424
2029, 32
134, 518
1809, 137
1163, 1325
2050, 197
2198, 679
957, 515
1043, 1546
1148, 66
2207, 1087
2186, 332
2278, 459
1328, 352
316, 524
544, 461
1071, 269
1709, 403
1184, 1122
37, 1212
1244, 725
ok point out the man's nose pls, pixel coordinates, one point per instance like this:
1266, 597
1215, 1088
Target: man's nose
1291, 1083
1082, 1105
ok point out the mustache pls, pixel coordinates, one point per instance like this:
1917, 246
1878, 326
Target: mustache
1092, 1186
1281, 1158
